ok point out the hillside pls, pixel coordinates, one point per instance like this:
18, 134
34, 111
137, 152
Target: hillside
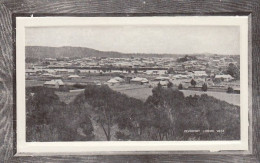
41, 52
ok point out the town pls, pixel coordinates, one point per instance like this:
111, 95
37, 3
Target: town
136, 76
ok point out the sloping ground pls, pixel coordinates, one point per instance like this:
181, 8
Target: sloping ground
143, 92
135, 91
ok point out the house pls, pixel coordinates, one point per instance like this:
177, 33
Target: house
200, 74
73, 76
62, 72
112, 81
115, 80
162, 78
164, 83
47, 75
139, 80
119, 79
180, 76
50, 59
54, 84
226, 78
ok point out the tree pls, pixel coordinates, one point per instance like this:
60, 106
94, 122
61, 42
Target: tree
233, 70
180, 87
204, 87
230, 90
170, 84
161, 109
159, 85
111, 108
163, 116
193, 83
46, 116
41, 104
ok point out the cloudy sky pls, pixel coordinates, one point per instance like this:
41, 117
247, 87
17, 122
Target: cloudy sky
140, 39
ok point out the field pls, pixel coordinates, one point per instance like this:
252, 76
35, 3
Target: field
229, 98
135, 91
143, 92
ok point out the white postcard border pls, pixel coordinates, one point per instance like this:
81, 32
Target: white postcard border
129, 146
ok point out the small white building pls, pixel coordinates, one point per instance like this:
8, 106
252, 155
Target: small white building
164, 83
47, 75
115, 80
226, 78
119, 79
54, 84
112, 81
200, 74
139, 80
180, 76
162, 78
73, 76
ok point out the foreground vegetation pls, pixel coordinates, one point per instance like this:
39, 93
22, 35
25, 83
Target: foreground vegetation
165, 115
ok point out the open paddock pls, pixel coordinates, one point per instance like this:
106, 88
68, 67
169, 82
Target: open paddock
142, 92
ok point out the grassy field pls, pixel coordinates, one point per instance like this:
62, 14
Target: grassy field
229, 98
135, 91
143, 92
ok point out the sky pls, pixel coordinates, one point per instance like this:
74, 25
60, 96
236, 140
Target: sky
140, 39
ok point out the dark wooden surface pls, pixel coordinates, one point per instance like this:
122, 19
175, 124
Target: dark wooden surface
198, 7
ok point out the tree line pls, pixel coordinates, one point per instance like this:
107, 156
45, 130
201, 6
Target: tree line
163, 116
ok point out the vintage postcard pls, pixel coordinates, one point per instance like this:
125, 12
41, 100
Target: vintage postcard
93, 84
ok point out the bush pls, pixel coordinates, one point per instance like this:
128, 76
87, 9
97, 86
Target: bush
193, 83
204, 87
180, 87
170, 85
46, 116
230, 90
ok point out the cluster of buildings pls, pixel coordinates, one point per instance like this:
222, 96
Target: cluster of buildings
209, 69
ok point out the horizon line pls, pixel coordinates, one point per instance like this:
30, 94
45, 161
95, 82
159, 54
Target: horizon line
201, 53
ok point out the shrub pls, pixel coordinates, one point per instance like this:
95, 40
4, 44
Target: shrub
230, 90
204, 87
193, 83
180, 87
170, 85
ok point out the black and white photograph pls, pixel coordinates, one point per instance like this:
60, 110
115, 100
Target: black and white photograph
129, 81
133, 82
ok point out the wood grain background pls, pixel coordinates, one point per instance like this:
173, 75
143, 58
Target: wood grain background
10, 8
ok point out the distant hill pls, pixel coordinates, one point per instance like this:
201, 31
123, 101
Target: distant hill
40, 52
